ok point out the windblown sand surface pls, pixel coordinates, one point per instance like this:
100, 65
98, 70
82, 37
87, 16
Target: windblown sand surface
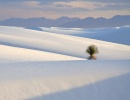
42, 65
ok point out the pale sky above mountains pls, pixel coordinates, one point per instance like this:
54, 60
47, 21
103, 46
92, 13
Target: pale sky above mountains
56, 8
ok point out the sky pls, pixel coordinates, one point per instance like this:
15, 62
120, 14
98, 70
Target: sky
53, 9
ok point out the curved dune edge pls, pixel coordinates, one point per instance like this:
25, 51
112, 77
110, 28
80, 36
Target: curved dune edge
45, 66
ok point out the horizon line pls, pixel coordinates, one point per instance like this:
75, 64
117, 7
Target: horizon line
63, 16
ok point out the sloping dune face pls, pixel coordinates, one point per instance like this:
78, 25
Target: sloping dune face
60, 44
42, 65
15, 54
66, 80
113, 34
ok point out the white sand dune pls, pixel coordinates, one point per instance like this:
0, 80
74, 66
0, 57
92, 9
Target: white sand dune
61, 44
66, 80
114, 34
38, 65
15, 54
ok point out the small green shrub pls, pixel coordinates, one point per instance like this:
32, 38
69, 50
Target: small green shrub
92, 50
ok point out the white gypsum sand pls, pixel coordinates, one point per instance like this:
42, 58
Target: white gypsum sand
15, 54
111, 34
45, 66
61, 44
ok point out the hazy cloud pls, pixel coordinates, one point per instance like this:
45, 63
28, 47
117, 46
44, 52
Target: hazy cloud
114, 6
44, 1
110, 1
57, 8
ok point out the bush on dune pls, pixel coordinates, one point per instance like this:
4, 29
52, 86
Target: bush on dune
92, 50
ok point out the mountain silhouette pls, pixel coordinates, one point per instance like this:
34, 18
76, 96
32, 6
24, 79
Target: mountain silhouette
89, 22
40, 22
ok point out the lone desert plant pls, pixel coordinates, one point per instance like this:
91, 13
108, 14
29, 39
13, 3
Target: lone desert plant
92, 50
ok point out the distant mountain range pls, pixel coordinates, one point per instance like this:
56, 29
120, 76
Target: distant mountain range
89, 22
